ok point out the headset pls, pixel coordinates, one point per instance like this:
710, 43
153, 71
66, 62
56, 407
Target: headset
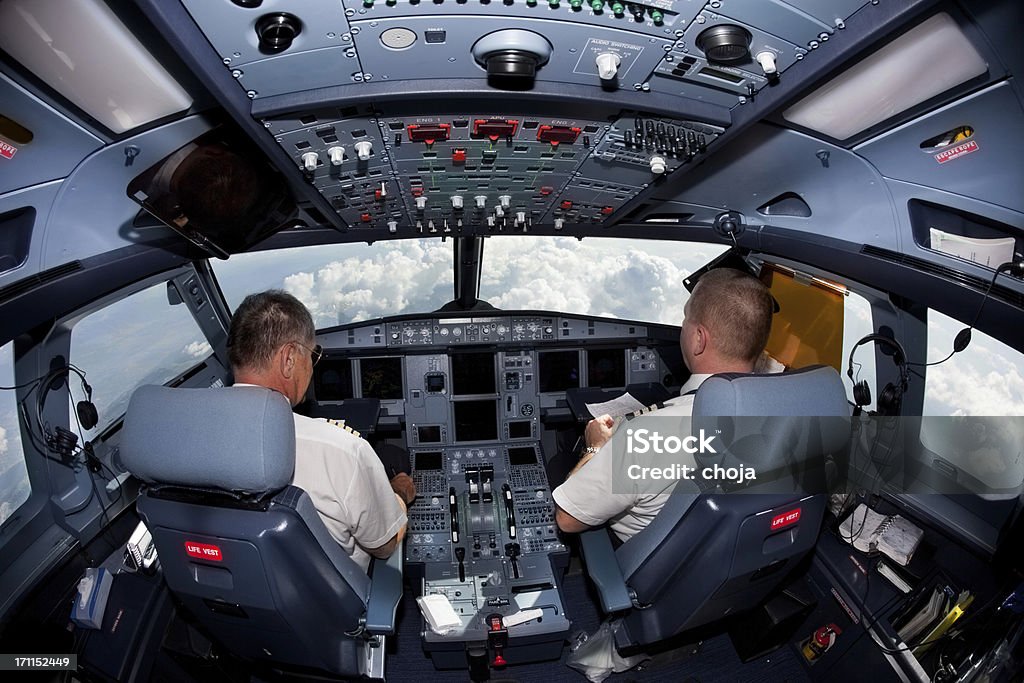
86, 411
892, 394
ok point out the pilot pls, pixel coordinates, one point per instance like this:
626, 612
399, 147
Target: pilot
727, 320
271, 344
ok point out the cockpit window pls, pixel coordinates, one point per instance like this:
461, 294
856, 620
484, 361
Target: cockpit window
619, 278
138, 340
344, 283
984, 379
15, 487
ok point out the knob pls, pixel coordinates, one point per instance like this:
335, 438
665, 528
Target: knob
767, 61
364, 148
499, 212
559, 223
520, 217
430, 225
392, 226
505, 201
337, 155
481, 201
608, 65
490, 221
457, 201
421, 203
395, 335
309, 160
658, 165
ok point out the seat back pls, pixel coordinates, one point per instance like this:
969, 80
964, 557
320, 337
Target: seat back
715, 551
245, 552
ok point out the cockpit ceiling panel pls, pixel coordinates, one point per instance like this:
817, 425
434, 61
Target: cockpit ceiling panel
54, 144
482, 171
359, 41
985, 166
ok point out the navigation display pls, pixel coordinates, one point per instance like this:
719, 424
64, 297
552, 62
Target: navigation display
333, 380
473, 373
381, 377
606, 368
559, 370
475, 420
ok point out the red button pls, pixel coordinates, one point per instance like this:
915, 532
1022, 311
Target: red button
417, 191
566, 204
377, 195
607, 211
365, 217
458, 155
545, 191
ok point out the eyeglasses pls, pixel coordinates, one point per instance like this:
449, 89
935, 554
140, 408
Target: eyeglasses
315, 353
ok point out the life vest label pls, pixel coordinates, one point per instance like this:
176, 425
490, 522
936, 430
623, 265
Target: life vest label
203, 551
785, 519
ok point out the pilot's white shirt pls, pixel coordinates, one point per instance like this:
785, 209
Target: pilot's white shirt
587, 495
348, 486
346, 482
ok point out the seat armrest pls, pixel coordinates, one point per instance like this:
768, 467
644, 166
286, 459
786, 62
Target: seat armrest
604, 570
385, 593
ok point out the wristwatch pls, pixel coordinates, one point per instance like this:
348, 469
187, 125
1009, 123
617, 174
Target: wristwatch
588, 450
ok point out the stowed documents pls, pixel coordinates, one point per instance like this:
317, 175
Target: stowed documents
891, 535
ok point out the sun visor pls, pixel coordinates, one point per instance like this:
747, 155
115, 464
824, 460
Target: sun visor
218, 192
808, 329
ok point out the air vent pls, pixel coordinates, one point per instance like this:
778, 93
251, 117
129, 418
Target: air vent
979, 284
29, 283
786, 204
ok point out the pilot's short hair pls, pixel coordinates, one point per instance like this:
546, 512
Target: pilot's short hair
737, 310
262, 324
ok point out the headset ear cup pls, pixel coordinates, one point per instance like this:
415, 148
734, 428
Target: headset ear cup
862, 393
88, 417
889, 400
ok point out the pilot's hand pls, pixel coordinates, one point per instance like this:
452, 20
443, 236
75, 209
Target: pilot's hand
599, 431
403, 485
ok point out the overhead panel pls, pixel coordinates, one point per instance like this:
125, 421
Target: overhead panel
426, 165
489, 171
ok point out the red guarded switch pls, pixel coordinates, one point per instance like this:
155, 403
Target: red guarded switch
565, 205
366, 218
607, 211
458, 156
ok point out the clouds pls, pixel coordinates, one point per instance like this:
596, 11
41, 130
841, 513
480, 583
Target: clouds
198, 349
363, 282
3, 441
985, 379
631, 279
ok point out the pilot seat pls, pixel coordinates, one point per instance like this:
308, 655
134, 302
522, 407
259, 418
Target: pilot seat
244, 552
717, 550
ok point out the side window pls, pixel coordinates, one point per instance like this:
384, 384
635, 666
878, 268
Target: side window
857, 323
968, 399
14, 484
138, 340
984, 379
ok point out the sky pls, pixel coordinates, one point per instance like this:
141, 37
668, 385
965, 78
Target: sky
145, 340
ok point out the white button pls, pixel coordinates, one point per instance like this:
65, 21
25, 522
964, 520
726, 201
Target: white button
309, 160
337, 155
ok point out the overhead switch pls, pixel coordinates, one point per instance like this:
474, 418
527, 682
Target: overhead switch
457, 201
767, 61
608, 65
505, 201
481, 201
421, 203
364, 148
392, 226
309, 160
559, 223
658, 165
337, 154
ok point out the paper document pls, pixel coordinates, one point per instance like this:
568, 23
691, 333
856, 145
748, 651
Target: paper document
892, 535
617, 407
987, 252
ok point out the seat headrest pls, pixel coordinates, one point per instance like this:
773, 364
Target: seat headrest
233, 439
767, 421
813, 391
